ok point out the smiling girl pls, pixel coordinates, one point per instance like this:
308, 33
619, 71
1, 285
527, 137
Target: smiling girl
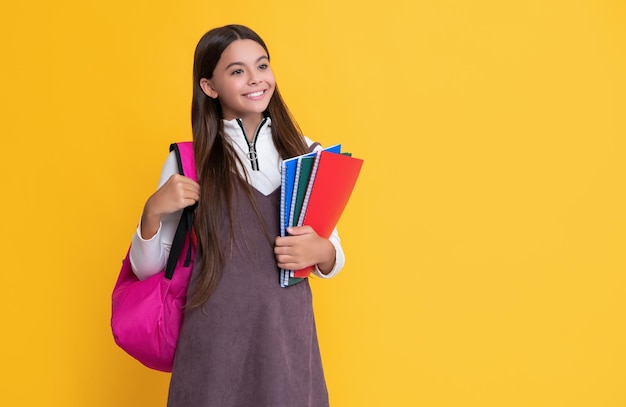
245, 341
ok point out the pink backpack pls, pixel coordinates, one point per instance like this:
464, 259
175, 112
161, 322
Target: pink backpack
147, 314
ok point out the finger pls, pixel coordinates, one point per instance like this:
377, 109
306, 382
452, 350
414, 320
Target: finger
283, 251
300, 230
285, 261
182, 181
288, 265
284, 241
284, 258
189, 202
188, 182
292, 265
191, 194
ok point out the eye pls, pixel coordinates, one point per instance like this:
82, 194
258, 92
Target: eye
263, 67
237, 72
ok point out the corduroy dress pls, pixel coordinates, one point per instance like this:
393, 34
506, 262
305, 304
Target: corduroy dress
253, 343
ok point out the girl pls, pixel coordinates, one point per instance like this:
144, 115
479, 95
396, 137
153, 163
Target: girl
245, 341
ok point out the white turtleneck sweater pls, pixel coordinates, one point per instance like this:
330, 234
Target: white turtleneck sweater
149, 256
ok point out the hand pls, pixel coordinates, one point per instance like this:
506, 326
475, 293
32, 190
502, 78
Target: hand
304, 248
177, 193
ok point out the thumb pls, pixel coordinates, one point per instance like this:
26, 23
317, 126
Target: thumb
299, 230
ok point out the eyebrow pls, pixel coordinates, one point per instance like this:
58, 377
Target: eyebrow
259, 59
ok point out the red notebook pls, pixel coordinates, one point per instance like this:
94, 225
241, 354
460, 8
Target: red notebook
331, 183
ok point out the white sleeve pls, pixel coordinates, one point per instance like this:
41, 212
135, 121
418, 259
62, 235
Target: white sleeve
148, 257
340, 258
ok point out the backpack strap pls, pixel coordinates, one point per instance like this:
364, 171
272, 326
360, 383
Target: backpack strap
186, 167
185, 159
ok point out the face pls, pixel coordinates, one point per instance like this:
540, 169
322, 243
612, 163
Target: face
243, 81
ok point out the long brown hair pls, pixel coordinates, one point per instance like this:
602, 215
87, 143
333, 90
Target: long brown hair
216, 161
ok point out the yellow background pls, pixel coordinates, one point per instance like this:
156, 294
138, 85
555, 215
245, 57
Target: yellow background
485, 238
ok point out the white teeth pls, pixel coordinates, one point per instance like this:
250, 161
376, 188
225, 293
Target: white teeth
255, 94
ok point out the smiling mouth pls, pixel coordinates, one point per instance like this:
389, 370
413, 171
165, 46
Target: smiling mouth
255, 94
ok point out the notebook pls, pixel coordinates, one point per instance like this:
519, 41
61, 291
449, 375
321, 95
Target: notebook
329, 185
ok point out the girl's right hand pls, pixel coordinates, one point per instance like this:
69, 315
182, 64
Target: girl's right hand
177, 193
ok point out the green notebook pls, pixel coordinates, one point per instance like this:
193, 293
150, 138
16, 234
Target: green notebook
305, 165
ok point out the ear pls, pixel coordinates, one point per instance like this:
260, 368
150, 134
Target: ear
208, 88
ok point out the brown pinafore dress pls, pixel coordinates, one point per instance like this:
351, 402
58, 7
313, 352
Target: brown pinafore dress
253, 343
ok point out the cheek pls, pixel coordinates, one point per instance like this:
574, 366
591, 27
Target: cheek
269, 78
271, 83
234, 87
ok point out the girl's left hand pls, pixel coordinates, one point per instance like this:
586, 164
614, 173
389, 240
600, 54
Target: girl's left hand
303, 248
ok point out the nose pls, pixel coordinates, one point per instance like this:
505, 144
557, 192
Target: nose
254, 79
